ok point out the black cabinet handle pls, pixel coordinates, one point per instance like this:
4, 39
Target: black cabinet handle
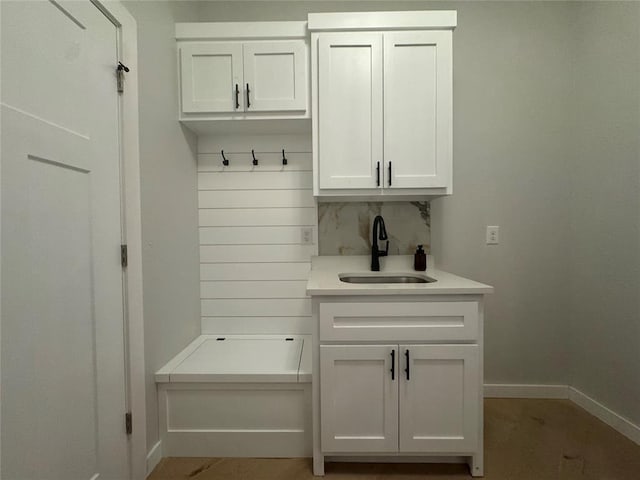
389, 173
378, 175
248, 102
393, 364
406, 354
237, 97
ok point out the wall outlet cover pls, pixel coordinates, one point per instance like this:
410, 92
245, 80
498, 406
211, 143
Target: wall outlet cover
493, 235
306, 235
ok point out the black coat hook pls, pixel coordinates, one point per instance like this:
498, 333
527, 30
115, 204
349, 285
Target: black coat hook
255, 160
284, 159
225, 161
122, 66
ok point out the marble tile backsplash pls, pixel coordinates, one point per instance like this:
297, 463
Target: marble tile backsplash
346, 228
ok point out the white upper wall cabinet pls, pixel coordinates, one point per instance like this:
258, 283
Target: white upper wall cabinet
417, 109
224, 77
275, 76
382, 104
350, 117
243, 71
211, 77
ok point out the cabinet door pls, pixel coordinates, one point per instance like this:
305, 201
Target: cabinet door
275, 76
439, 398
210, 73
417, 103
358, 398
349, 110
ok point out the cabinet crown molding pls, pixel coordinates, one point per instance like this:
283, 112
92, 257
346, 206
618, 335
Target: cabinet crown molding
194, 31
409, 20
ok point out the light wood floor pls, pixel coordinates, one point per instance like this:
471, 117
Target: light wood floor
524, 440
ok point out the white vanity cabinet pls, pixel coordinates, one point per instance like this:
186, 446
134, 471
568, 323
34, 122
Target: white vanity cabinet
397, 368
382, 111
400, 376
255, 71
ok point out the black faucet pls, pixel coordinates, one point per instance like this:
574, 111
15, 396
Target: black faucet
378, 226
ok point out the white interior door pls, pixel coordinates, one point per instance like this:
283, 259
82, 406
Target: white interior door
211, 77
359, 398
275, 73
417, 106
439, 398
349, 110
63, 361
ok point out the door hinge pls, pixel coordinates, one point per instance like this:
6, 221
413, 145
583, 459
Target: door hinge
124, 257
120, 71
128, 423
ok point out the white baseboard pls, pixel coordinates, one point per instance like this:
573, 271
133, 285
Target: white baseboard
608, 416
510, 390
153, 457
595, 408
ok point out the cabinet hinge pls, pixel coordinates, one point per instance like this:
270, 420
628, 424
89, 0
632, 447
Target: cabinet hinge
128, 422
124, 257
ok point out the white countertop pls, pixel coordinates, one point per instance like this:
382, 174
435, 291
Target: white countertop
324, 280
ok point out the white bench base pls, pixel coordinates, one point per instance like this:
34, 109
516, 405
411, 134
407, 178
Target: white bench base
235, 420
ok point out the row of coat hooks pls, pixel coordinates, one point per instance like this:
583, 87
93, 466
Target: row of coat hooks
225, 161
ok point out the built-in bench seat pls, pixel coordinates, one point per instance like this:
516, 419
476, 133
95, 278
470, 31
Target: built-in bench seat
237, 396
241, 358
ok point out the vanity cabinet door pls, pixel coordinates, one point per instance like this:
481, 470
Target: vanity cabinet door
211, 77
359, 398
417, 109
350, 110
275, 76
439, 398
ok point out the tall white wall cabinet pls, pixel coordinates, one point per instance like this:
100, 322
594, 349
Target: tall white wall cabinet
382, 104
243, 71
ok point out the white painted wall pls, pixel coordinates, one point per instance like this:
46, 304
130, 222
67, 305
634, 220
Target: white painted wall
605, 207
512, 80
169, 197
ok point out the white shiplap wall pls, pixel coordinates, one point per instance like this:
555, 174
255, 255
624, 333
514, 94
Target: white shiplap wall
253, 265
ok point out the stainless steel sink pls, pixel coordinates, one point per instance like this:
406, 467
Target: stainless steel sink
404, 278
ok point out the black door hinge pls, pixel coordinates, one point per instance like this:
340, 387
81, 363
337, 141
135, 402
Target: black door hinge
128, 423
120, 71
124, 258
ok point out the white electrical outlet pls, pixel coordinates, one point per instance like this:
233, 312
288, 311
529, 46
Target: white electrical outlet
306, 235
493, 235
